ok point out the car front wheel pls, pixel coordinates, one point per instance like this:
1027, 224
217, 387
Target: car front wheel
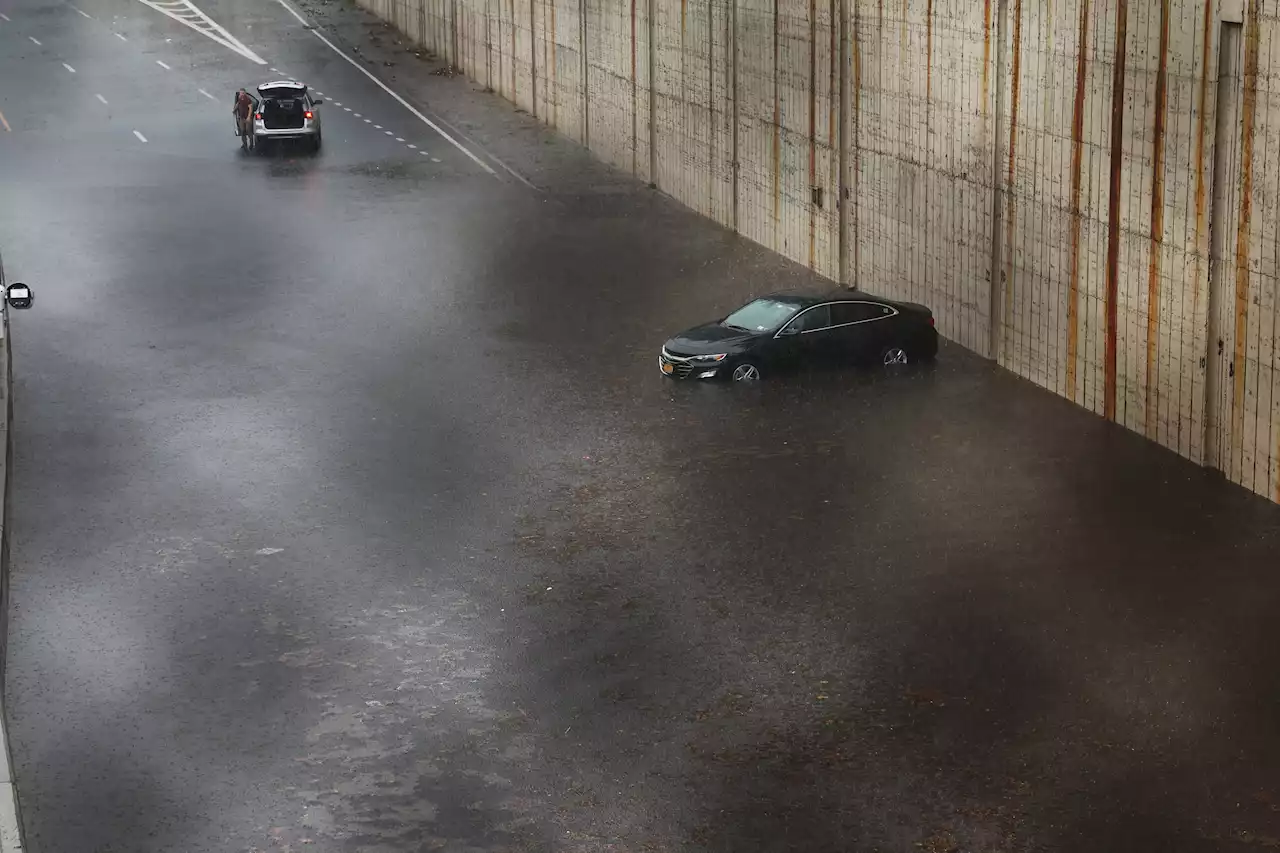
894, 356
745, 372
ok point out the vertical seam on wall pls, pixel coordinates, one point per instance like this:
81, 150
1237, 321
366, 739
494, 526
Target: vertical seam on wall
1248, 107
733, 63
777, 130
635, 118
1077, 153
813, 126
1015, 73
1201, 250
586, 74
653, 127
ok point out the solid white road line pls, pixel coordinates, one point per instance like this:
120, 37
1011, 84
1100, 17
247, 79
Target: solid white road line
180, 11
162, 65
69, 68
122, 38
206, 94
100, 98
35, 41
141, 138
83, 12
384, 87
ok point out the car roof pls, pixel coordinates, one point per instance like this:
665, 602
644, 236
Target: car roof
805, 298
283, 84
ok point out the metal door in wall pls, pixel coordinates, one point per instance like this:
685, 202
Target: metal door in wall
1221, 451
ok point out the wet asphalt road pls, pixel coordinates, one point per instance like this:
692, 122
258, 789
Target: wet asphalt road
352, 515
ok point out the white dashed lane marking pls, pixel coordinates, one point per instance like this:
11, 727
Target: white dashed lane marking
35, 41
402, 102
399, 139
206, 94
162, 65
6, 17
119, 36
69, 68
100, 98
83, 12
141, 138
387, 132
411, 145
378, 127
434, 160
348, 109
368, 121
357, 115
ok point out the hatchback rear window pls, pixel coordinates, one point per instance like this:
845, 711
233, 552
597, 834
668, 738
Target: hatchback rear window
282, 94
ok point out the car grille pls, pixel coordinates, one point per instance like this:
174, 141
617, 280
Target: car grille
681, 366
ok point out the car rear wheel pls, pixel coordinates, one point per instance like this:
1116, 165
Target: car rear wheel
894, 356
745, 372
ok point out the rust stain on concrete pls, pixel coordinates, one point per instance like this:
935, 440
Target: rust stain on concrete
986, 54
1077, 157
1113, 207
1157, 224
1248, 117
1015, 89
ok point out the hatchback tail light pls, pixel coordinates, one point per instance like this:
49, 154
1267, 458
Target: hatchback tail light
308, 114
257, 116
930, 319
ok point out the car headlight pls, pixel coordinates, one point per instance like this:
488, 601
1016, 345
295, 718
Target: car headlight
709, 359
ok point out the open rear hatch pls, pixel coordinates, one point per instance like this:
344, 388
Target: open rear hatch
282, 106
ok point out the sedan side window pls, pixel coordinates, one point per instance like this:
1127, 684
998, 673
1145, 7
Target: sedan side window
812, 319
857, 312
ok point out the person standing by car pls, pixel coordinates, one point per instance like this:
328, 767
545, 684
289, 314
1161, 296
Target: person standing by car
243, 110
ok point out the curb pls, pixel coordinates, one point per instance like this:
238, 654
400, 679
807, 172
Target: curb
10, 816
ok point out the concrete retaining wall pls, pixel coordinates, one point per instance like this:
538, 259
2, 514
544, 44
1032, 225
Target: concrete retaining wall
1085, 190
10, 820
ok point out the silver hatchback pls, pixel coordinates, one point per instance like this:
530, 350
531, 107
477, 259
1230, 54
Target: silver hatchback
287, 111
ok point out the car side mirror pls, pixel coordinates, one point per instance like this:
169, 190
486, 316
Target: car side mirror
788, 331
18, 295
318, 101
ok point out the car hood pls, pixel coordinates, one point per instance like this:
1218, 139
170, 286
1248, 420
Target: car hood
709, 338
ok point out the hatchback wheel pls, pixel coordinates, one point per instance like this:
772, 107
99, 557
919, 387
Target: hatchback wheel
894, 356
746, 373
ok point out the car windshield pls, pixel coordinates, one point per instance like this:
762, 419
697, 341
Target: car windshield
761, 315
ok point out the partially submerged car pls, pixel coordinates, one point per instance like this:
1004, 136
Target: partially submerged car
287, 111
794, 330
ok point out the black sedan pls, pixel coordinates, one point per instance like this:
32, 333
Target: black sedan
787, 331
